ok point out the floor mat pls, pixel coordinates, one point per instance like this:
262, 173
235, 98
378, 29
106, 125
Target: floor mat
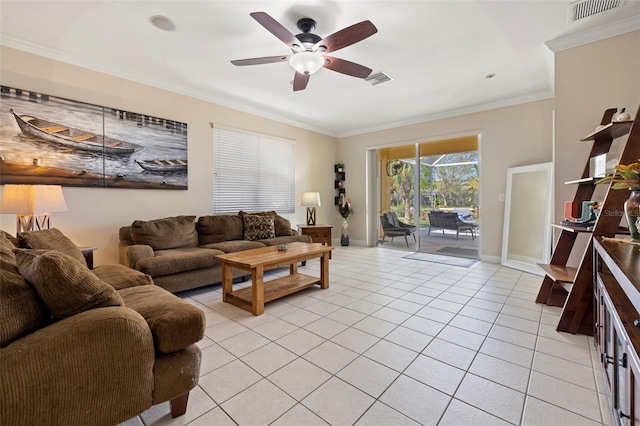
436, 258
457, 251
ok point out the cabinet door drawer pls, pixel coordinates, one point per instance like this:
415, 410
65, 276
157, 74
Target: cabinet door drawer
318, 234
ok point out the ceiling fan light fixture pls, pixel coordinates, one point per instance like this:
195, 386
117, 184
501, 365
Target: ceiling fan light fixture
306, 63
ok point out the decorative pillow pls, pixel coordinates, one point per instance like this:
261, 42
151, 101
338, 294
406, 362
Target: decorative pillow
21, 311
9, 237
7, 258
65, 285
282, 225
258, 227
51, 239
166, 233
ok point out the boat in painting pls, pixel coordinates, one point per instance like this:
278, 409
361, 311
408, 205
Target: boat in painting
72, 138
163, 166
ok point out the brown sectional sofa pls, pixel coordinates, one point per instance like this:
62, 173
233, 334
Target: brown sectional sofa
81, 346
179, 252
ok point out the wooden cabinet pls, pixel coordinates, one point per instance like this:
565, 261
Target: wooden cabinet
617, 327
318, 234
572, 287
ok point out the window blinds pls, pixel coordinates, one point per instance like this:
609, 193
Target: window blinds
252, 172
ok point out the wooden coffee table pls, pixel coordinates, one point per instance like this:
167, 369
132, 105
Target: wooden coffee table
259, 260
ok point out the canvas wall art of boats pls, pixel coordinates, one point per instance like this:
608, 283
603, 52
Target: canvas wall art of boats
163, 166
62, 135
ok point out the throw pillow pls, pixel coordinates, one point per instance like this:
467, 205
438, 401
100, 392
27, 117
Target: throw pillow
51, 239
282, 225
65, 285
9, 237
166, 233
21, 311
7, 258
258, 227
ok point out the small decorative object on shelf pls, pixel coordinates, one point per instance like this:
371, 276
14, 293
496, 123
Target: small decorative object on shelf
622, 116
339, 167
628, 177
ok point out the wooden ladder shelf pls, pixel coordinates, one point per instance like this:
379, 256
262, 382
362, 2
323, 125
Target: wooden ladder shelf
572, 287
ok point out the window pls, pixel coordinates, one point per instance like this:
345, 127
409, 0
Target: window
252, 172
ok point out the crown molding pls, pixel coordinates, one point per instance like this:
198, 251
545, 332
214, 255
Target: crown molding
589, 35
220, 100
538, 96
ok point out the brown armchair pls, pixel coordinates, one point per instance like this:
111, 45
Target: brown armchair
77, 349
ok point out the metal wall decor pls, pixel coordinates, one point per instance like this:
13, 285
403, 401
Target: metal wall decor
50, 140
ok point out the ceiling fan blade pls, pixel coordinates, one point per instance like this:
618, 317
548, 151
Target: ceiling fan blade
346, 37
300, 81
276, 28
258, 61
346, 67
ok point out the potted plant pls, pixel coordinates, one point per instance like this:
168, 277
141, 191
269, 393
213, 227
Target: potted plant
628, 177
339, 167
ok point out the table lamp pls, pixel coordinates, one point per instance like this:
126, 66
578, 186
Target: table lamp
311, 200
32, 204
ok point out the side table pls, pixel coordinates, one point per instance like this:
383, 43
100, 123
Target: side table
87, 252
318, 233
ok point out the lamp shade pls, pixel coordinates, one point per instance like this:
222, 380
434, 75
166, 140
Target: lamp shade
310, 199
32, 199
306, 62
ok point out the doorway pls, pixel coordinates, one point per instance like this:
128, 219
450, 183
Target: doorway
434, 187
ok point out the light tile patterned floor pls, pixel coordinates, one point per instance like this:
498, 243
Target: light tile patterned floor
393, 342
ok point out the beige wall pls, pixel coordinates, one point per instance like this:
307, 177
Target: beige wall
513, 136
588, 79
95, 215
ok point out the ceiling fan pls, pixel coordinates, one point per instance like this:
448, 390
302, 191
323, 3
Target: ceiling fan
309, 49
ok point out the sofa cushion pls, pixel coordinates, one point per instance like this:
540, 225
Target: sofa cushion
174, 323
257, 227
166, 233
234, 246
51, 239
292, 239
219, 228
167, 262
65, 285
7, 258
282, 225
21, 310
119, 276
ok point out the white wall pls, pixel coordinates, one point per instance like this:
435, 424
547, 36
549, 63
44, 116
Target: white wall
513, 136
96, 214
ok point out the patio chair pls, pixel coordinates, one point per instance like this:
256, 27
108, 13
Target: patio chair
393, 219
389, 230
451, 221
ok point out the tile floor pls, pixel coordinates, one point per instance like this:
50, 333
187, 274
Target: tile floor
393, 342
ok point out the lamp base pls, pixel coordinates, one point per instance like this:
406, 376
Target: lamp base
311, 216
32, 222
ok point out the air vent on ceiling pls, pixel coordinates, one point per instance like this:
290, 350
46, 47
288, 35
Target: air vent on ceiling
584, 8
379, 77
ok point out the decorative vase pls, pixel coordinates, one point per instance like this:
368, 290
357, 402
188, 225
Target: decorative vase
632, 211
344, 234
